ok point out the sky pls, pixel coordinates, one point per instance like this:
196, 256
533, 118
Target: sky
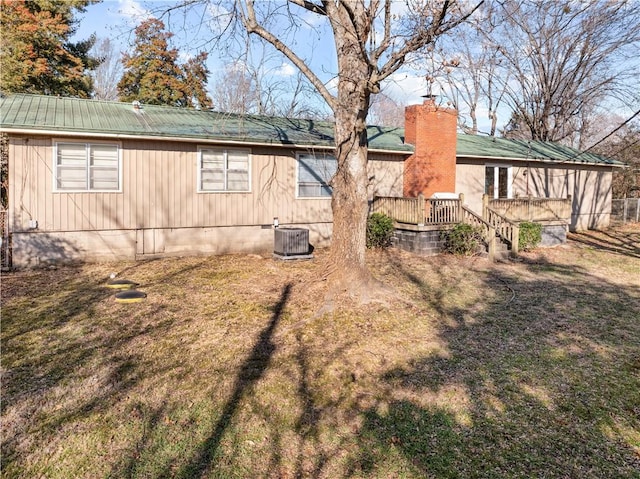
116, 19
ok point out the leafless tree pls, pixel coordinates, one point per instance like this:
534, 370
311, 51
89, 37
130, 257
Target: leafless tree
565, 59
289, 96
256, 83
624, 146
108, 72
385, 111
372, 40
466, 69
4, 171
234, 90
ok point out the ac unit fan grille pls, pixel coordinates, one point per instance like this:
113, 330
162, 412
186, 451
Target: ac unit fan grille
291, 241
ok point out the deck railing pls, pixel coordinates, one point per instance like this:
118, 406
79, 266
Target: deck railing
420, 210
508, 230
488, 231
531, 209
500, 217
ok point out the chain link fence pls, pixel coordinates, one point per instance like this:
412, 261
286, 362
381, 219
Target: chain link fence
5, 240
626, 210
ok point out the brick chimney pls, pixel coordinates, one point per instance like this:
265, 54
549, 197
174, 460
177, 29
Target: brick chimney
432, 167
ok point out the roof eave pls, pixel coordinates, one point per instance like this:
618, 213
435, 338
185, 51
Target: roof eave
183, 139
539, 160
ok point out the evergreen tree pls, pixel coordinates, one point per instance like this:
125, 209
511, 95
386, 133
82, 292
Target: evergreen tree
35, 52
152, 74
195, 79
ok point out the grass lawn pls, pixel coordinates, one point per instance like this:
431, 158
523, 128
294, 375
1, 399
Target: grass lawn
523, 369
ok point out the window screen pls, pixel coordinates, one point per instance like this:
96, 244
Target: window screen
224, 170
315, 174
87, 167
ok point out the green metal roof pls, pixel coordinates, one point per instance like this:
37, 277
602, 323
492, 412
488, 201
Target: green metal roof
24, 112
502, 148
74, 115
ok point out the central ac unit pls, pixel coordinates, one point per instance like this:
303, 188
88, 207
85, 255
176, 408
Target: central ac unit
291, 241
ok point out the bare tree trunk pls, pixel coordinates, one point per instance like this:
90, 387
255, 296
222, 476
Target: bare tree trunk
474, 120
347, 271
493, 116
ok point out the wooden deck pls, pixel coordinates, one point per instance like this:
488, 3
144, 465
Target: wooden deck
500, 218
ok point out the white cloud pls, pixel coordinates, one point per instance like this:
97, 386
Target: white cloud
403, 88
286, 70
132, 11
218, 18
236, 66
184, 57
407, 88
332, 85
313, 20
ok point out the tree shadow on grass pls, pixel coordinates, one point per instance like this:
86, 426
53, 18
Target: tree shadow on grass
62, 297
250, 372
541, 382
623, 243
64, 356
536, 379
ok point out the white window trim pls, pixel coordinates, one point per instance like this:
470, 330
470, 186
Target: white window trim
297, 185
496, 179
57, 141
224, 149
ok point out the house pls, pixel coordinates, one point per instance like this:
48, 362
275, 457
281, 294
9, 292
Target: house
98, 180
501, 168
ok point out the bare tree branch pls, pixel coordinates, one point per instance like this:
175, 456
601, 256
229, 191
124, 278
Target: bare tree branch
250, 22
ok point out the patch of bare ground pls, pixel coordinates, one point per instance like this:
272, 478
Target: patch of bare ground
526, 368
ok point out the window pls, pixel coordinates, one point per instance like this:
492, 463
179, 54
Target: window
497, 181
87, 167
314, 175
223, 170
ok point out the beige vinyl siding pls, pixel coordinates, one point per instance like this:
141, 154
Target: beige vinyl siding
541, 182
159, 190
589, 187
386, 175
470, 182
32, 196
159, 209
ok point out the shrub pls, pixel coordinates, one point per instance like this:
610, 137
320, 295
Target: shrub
463, 239
530, 235
379, 230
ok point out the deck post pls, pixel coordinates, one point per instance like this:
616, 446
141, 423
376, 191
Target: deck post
460, 205
515, 241
485, 206
420, 214
492, 244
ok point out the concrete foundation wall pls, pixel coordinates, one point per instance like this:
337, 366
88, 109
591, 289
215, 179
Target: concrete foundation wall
33, 249
553, 234
425, 241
